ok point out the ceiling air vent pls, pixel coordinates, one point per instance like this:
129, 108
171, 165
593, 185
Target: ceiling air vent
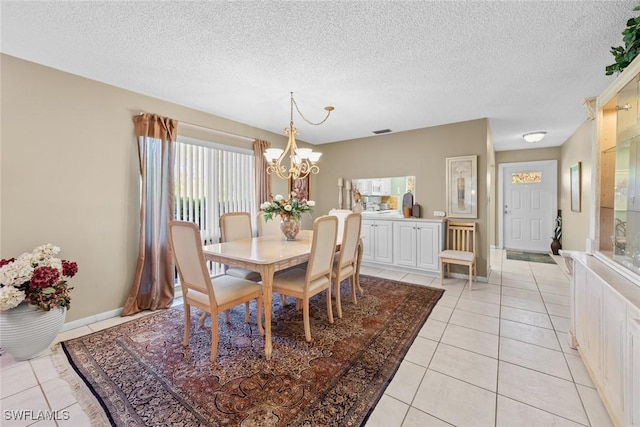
378, 132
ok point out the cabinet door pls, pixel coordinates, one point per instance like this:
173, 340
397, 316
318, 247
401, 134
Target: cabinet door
386, 186
592, 345
384, 242
579, 310
613, 341
632, 367
404, 243
368, 240
428, 238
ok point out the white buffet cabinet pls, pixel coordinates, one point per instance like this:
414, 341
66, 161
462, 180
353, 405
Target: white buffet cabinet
605, 328
410, 244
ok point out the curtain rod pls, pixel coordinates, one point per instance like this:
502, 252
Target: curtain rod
221, 132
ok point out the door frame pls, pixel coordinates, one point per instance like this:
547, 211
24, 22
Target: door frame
501, 189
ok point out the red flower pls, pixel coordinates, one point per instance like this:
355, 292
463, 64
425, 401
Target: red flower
69, 268
4, 262
44, 277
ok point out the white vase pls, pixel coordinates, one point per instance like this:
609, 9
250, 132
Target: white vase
25, 331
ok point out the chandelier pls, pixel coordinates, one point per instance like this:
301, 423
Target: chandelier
302, 161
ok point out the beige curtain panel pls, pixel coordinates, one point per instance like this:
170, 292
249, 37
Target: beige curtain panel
153, 283
263, 180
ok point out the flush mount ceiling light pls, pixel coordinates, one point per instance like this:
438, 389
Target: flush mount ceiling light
534, 136
302, 161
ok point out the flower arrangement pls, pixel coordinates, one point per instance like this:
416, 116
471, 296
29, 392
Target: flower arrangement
287, 208
38, 278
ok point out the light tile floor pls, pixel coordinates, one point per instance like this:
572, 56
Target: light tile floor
494, 356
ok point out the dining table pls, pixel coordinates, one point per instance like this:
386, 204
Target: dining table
268, 255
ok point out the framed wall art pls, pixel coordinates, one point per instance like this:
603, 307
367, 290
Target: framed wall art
300, 186
576, 187
462, 192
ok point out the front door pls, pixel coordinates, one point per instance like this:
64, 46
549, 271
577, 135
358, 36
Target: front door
528, 204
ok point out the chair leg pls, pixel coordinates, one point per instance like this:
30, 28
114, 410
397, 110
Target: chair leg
337, 296
305, 320
441, 273
259, 314
226, 316
214, 337
329, 308
353, 282
246, 312
203, 316
283, 300
358, 263
187, 325
471, 277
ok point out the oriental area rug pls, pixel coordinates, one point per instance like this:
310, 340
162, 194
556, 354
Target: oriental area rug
530, 257
140, 375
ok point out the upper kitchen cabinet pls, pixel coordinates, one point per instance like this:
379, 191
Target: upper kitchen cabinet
384, 186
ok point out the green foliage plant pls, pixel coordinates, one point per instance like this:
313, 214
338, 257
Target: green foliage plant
624, 55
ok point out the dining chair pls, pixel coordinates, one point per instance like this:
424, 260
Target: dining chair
211, 295
341, 214
461, 242
305, 283
345, 266
268, 228
237, 226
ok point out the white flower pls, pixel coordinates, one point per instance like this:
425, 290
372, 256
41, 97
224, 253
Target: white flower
311, 203
17, 272
10, 297
278, 198
287, 208
265, 205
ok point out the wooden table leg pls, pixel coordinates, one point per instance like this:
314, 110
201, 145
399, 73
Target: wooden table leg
267, 272
358, 262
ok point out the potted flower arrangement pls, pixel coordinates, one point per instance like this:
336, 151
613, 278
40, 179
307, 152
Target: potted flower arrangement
290, 211
34, 298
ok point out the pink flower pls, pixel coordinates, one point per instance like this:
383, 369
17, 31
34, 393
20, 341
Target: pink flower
44, 277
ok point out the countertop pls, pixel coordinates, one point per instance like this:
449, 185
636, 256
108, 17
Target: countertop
394, 216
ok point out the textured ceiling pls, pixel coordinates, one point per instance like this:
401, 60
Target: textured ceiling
524, 65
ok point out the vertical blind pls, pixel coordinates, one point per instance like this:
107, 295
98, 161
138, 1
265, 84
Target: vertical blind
211, 180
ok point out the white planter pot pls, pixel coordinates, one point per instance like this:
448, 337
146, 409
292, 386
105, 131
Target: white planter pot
25, 331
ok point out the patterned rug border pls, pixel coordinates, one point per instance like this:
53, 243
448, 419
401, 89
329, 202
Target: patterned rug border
100, 415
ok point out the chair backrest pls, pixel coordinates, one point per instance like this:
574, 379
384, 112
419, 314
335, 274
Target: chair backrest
350, 239
235, 226
268, 228
461, 236
186, 244
323, 247
341, 214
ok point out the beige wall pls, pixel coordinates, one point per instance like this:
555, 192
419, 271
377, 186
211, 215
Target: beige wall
70, 177
419, 152
575, 225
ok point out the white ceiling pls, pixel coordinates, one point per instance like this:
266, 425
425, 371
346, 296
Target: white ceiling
525, 65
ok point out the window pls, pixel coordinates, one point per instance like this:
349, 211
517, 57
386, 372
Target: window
526, 178
210, 180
